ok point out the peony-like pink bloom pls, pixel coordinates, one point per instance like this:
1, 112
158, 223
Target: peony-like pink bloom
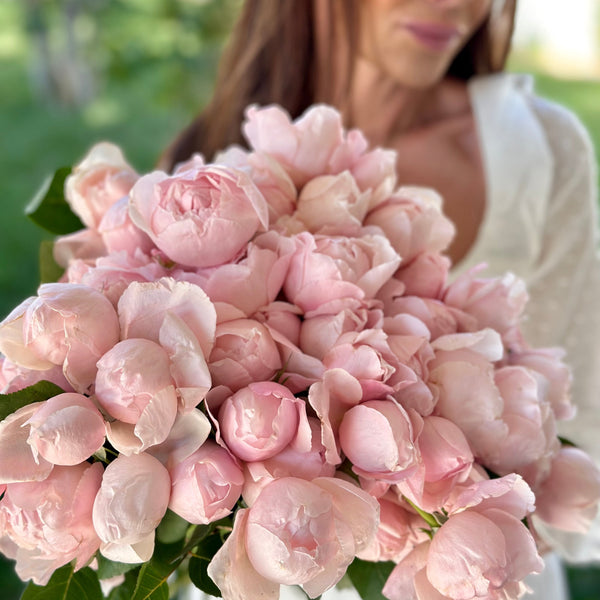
262, 419
304, 147
482, 550
446, 461
118, 232
245, 582
206, 485
255, 281
568, 498
202, 217
332, 205
531, 439
66, 429
47, 524
462, 374
379, 439
15, 377
425, 276
290, 462
97, 182
413, 221
297, 533
146, 311
66, 324
244, 352
85, 245
552, 374
497, 303
320, 333
130, 504
325, 271
112, 274
17, 461
268, 175
399, 531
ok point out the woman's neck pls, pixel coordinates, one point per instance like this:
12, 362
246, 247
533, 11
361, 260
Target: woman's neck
384, 109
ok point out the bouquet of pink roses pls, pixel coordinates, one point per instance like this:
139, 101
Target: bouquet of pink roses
257, 371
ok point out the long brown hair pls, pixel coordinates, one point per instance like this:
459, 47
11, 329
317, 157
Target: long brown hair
273, 57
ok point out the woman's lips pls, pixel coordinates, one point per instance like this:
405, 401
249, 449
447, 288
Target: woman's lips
434, 36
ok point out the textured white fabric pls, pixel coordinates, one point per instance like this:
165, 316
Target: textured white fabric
540, 223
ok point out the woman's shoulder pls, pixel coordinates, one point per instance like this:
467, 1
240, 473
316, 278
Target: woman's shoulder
565, 134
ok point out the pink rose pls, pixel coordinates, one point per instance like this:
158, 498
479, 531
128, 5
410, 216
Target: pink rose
97, 182
112, 274
497, 302
130, 504
66, 429
399, 531
260, 420
254, 281
199, 218
568, 498
290, 462
85, 245
180, 317
481, 550
118, 232
326, 271
303, 147
135, 386
425, 275
296, 533
244, 352
446, 461
268, 175
17, 460
66, 324
331, 397
463, 378
206, 485
332, 205
552, 374
379, 439
47, 524
320, 333
413, 221
15, 377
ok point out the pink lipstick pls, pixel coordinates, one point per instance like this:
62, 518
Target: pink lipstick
435, 36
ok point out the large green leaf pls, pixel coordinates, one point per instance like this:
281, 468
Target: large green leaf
50, 210
152, 580
67, 585
49, 270
201, 557
38, 392
125, 590
109, 568
369, 577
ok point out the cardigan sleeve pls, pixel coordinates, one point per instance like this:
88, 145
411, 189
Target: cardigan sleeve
564, 288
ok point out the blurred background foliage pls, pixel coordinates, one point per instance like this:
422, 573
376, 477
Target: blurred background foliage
73, 72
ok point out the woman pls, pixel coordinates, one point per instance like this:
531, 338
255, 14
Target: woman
424, 77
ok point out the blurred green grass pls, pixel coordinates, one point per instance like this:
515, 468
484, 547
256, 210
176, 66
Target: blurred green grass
149, 93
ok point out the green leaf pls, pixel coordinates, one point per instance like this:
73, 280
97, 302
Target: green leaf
50, 210
369, 577
49, 270
110, 568
124, 591
172, 528
38, 392
67, 585
199, 562
151, 582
